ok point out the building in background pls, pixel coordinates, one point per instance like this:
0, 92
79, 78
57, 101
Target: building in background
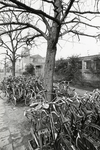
90, 68
38, 63
24, 60
27, 59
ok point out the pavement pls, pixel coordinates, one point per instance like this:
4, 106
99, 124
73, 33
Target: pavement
11, 137
80, 91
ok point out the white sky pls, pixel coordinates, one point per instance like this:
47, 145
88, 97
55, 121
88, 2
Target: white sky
86, 46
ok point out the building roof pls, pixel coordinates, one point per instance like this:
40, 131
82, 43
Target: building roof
36, 56
89, 56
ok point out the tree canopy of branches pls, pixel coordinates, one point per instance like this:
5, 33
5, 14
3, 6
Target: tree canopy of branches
52, 19
11, 41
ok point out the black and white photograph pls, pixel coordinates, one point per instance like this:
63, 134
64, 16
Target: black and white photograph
49, 74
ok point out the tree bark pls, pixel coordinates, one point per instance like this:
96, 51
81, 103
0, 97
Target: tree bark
51, 53
13, 68
13, 65
49, 69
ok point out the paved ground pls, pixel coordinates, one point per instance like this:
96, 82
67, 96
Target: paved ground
80, 91
14, 127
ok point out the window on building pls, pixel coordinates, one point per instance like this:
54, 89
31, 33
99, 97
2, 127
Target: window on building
88, 64
38, 66
80, 64
97, 63
34, 59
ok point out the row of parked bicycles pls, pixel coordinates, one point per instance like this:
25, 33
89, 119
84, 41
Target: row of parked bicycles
28, 89
21, 89
68, 122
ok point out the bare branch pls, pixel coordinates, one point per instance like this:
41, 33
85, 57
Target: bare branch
80, 22
67, 10
27, 25
83, 34
17, 56
6, 32
51, 3
46, 23
85, 12
30, 39
4, 45
7, 54
19, 46
22, 6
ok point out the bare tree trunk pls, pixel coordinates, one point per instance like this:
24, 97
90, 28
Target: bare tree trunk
50, 59
13, 65
13, 68
49, 69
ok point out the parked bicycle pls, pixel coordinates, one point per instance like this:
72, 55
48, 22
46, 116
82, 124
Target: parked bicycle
21, 89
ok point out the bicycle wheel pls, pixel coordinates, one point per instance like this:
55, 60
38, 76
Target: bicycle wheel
63, 143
